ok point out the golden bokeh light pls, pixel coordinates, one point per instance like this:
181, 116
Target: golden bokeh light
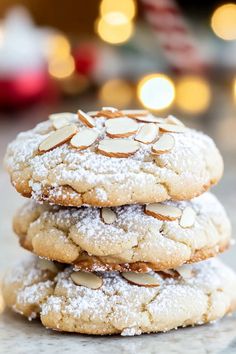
234, 89
58, 47
193, 94
114, 28
61, 68
126, 7
116, 93
156, 91
2, 305
223, 21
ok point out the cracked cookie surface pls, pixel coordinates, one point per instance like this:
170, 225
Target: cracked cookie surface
72, 177
207, 294
133, 241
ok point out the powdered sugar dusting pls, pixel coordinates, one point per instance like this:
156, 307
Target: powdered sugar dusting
193, 156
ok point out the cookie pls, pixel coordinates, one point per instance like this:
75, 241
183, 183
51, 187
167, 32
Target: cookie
112, 158
128, 303
131, 237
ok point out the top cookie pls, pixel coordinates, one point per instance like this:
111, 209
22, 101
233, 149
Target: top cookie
112, 158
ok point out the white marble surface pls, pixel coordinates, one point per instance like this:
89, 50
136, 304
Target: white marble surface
19, 336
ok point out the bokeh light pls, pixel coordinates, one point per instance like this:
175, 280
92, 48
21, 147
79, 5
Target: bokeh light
61, 68
193, 94
156, 91
126, 7
114, 28
58, 46
116, 92
223, 21
2, 306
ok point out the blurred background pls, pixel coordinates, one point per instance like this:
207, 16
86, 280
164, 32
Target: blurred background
165, 55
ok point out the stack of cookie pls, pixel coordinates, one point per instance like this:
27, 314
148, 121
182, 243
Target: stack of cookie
121, 224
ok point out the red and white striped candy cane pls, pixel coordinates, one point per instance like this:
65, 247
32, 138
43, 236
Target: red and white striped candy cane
173, 34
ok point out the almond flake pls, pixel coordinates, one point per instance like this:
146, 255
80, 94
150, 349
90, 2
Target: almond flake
67, 115
118, 147
164, 144
111, 109
147, 134
58, 138
60, 122
45, 264
188, 217
186, 271
163, 212
172, 128
107, 114
84, 138
86, 119
108, 215
141, 279
133, 113
89, 280
173, 120
121, 127
149, 119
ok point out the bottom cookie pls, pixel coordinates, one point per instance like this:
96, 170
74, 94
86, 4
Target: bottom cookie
109, 303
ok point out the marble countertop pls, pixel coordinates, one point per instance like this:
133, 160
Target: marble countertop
19, 336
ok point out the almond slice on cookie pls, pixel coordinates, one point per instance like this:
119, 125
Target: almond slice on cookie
108, 216
147, 134
121, 127
163, 212
185, 271
66, 115
58, 138
164, 144
89, 280
45, 264
141, 279
86, 119
60, 122
118, 147
172, 128
84, 138
173, 120
188, 217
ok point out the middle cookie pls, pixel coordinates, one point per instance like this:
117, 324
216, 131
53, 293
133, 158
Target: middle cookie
139, 238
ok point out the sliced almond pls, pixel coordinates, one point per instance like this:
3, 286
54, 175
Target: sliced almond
86, 119
66, 115
149, 119
147, 134
45, 264
118, 147
111, 109
89, 280
186, 271
106, 113
133, 113
108, 215
164, 144
172, 128
173, 120
188, 217
84, 138
141, 279
58, 138
60, 122
121, 127
163, 212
